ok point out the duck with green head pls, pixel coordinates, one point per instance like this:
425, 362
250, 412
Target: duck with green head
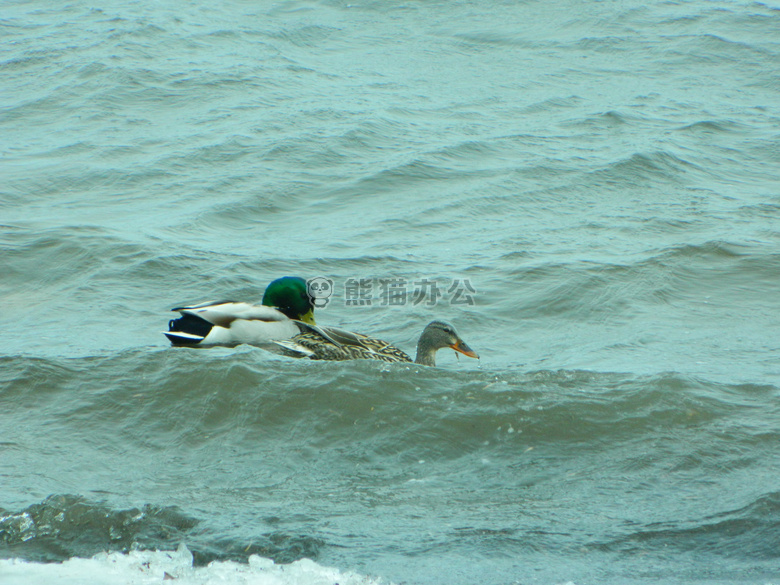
285, 302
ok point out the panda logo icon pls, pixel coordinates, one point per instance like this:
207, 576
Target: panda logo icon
320, 290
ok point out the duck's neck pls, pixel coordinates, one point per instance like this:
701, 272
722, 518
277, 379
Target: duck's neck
426, 355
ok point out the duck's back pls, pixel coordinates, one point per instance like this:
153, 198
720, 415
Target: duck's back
353, 347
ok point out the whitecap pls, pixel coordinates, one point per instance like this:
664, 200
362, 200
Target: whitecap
156, 567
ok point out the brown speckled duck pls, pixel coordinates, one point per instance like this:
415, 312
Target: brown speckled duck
329, 343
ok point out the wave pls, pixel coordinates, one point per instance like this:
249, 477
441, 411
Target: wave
66, 526
114, 568
644, 167
751, 531
182, 398
710, 274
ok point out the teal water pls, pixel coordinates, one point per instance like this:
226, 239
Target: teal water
603, 175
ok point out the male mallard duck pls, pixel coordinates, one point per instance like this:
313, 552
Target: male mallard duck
329, 343
229, 323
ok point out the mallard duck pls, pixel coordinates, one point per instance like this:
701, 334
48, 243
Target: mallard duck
329, 343
285, 302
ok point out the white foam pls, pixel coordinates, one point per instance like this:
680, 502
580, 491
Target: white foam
162, 567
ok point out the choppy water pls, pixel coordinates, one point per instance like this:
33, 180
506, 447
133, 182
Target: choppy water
603, 175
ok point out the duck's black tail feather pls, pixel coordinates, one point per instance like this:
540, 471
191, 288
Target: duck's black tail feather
187, 330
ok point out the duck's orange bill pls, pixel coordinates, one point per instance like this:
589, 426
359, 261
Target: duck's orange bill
463, 348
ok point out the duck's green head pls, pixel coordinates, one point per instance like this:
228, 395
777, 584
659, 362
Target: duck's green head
289, 295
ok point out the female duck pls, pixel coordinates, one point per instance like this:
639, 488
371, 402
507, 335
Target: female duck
229, 323
329, 343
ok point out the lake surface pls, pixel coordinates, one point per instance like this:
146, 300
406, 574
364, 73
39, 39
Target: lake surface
588, 191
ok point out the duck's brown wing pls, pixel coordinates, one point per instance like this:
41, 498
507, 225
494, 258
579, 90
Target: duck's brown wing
387, 351
331, 343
